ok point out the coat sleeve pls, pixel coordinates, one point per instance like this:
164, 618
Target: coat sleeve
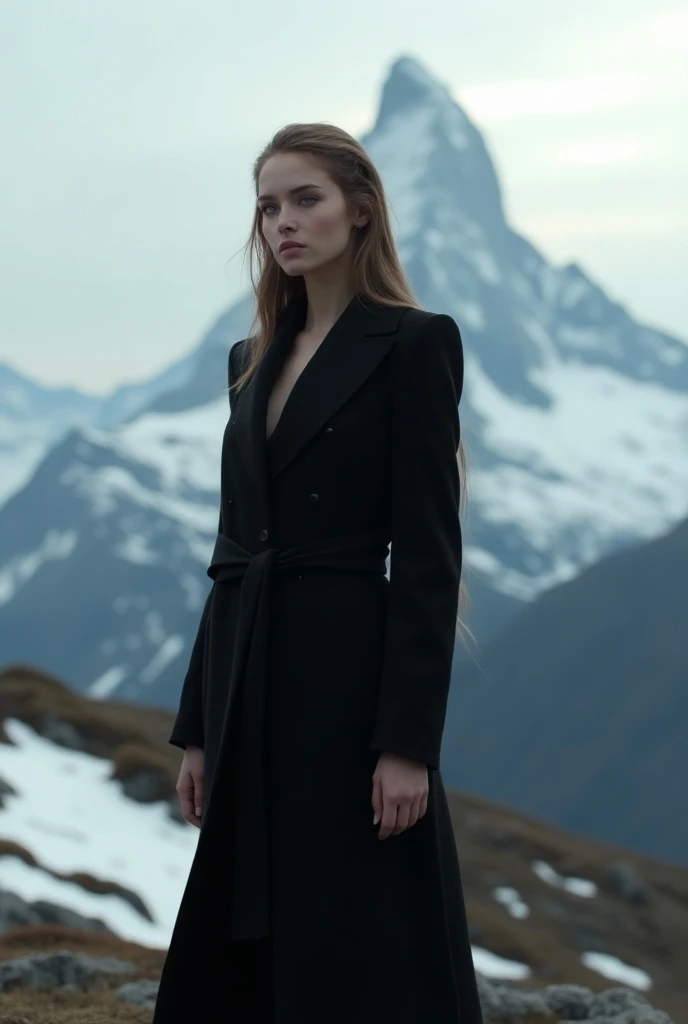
426, 543
188, 730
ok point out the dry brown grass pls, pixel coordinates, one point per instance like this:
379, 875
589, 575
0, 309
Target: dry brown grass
91, 883
69, 1008
134, 757
496, 846
49, 938
101, 1007
8, 848
133, 736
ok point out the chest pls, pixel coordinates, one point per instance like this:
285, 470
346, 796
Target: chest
333, 483
303, 350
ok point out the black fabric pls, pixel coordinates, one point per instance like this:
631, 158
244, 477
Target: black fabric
249, 982
248, 682
308, 663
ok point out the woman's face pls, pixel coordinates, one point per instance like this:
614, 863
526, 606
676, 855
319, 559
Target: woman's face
299, 202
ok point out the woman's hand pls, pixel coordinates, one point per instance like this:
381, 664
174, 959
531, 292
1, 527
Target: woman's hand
190, 785
400, 793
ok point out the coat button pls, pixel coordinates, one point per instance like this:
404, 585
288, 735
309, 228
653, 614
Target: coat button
299, 577
328, 430
263, 534
315, 497
229, 501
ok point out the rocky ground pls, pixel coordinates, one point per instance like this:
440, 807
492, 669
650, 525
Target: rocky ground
78, 979
538, 898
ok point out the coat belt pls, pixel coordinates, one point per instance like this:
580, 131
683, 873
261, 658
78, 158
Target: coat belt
365, 552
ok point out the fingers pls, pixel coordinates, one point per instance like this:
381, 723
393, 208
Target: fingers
423, 806
198, 795
389, 819
407, 816
186, 790
403, 816
399, 814
377, 799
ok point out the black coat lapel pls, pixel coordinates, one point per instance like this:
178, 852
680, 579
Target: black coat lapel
358, 340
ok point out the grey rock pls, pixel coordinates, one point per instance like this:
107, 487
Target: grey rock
648, 1015
624, 880
570, 1001
6, 789
74, 972
500, 1003
51, 913
175, 811
63, 733
145, 786
139, 993
16, 912
616, 1001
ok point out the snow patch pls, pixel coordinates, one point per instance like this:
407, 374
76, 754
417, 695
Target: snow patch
493, 966
170, 649
73, 817
56, 545
578, 886
616, 970
102, 687
511, 899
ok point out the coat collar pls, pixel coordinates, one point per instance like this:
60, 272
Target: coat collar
360, 338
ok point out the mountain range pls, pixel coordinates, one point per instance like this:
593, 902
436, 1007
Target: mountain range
574, 415
577, 710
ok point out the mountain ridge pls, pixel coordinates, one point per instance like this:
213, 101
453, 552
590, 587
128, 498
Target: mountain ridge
575, 419
577, 710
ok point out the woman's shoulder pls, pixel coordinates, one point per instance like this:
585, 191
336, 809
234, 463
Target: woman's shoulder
237, 349
419, 326
237, 355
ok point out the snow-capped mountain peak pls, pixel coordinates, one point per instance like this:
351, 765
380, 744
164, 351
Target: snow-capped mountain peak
574, 416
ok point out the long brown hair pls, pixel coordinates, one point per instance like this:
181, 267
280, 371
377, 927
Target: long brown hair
377, 273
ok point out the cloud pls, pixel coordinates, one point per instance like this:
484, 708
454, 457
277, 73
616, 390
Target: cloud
509, 100
632, 223
606, 151
668, 30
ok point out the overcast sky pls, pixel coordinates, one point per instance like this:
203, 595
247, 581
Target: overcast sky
129, 128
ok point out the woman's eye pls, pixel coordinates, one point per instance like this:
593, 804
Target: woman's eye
267, 206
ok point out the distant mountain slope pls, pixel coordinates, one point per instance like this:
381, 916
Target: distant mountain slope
30, 416
34, 418
103, 554
579, 710
574, 414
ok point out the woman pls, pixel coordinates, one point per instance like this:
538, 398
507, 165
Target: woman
312, 711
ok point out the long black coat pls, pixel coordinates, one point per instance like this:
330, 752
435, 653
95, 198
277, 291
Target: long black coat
308, 663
